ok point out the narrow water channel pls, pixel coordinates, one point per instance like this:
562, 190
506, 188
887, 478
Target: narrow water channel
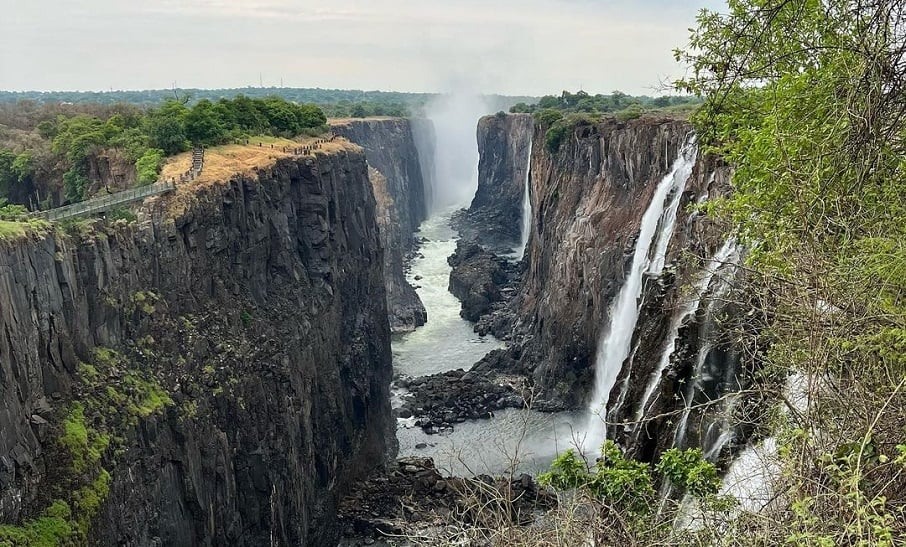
514, 440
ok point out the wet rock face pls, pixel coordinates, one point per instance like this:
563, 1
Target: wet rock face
495, 216
399, 189
258, 307
589, 197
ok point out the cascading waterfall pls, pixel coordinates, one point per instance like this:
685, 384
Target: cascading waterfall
614, 346
526, 202
707, 344
683, 313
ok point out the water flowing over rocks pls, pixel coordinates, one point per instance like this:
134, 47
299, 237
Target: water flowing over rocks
588, 198
249, 315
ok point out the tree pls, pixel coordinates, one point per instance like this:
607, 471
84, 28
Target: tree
166, 127
807, 101
203, 126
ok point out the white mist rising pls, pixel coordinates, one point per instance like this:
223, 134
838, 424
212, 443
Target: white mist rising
455, 117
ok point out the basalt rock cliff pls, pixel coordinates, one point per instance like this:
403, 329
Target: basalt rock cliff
589, 194
216, 373
399, 188
494, 217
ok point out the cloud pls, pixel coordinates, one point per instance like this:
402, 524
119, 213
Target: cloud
512, 46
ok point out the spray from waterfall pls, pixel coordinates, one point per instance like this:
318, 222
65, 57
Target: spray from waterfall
614, 346
453, 116
526, 201
683, 313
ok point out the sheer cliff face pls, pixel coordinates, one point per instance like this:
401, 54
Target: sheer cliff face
495, 215
390, 148
588, 200
229, 355
398, 185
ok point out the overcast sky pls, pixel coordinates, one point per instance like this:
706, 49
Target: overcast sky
508, 46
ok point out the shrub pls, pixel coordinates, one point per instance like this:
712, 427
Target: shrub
148, 166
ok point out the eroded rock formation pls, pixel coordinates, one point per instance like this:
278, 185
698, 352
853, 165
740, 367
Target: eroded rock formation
215, 374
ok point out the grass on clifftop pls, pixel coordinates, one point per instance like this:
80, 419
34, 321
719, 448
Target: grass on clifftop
221, 163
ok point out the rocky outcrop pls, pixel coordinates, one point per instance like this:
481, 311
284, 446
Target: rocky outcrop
404, 307
214, 374
495, 215
399, 188
476, 277
415, 498
440, 401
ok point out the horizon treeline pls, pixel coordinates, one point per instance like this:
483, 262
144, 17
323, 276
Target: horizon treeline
49, 152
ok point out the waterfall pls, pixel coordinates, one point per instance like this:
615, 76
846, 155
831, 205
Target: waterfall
706, 345
526, 201
614, 345
683, 313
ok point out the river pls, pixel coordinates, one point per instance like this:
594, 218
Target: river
514, 440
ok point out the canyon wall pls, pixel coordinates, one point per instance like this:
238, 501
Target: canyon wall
216, 373
399, 188
589, 194
495, 215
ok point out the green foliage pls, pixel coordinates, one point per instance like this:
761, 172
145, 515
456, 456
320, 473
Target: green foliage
805, 100
51, 529
689, 471
84, 444
74, 184
562, 128
548, 116
14, 169
615, 479
148, 165
121, 213
203, 125
166, 127
602, 104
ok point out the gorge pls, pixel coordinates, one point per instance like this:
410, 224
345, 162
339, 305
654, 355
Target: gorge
247, 327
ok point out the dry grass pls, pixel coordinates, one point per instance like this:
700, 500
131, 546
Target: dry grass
222, 163
346, 121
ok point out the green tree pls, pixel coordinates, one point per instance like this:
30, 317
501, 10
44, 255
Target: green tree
806, 100
203, 126
166, 127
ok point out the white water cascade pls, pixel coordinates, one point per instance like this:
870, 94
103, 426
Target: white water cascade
526, 203
683, 313
706, 345
614, 345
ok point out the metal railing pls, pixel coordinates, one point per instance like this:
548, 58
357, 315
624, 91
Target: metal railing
105, 203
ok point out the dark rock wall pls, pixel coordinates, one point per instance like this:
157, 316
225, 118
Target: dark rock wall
399, 189
262, 316
589, 198
495, 215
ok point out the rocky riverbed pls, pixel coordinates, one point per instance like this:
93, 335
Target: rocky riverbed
413, 499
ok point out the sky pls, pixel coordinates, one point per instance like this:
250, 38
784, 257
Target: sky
515, 47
